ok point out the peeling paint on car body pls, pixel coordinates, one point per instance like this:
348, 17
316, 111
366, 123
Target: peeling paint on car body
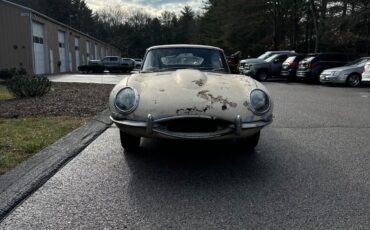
174, 90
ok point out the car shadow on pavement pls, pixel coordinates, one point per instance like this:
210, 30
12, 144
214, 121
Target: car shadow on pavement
180, 160
171, 180
193, 154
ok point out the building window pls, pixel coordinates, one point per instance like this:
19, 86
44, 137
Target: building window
38, 40
61, 45
77, 48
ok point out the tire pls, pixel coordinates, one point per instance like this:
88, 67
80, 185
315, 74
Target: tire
262, 75
291, 78
130, 143
353, 80
249, 143
138, 66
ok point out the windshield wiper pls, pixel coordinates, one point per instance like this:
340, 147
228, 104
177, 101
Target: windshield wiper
158, 70
218, 70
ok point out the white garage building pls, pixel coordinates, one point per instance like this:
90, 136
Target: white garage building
42, 45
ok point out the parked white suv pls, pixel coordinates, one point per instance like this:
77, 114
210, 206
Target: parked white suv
366, 73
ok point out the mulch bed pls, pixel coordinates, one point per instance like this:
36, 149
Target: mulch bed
64, 99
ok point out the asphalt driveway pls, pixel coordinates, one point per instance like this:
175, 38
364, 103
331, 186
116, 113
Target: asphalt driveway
310, 171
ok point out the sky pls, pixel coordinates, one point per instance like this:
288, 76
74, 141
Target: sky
153, 7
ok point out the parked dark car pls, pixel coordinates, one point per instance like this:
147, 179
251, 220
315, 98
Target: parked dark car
118, 64
110, 63
311, 67
93, 66
290, 66
264, 69
263, 56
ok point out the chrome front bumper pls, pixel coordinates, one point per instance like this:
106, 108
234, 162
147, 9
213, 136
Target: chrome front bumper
149, 128
327, 78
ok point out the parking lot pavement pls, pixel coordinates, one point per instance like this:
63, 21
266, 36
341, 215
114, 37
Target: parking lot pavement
310, 171
105, 78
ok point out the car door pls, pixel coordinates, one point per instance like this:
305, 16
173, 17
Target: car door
277, 64
104, 61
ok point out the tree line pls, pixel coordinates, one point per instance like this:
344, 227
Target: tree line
250, 26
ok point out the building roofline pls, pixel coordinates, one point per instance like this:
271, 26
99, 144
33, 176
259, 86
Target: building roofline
54, 21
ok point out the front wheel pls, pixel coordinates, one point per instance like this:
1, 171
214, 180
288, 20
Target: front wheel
353, 80
249, 142
262, 75
130, 143
291, 79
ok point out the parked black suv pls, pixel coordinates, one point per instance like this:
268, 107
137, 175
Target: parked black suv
311, 67
290, 66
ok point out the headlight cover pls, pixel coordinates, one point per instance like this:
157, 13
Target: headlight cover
127, 100
259, 101
335, 73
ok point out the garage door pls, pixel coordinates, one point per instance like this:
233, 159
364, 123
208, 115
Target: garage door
77, 52
87, 51
62, 51
96, 51
38, 48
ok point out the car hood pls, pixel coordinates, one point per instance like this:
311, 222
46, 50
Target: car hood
344, 69
190, 92
251, 60
257, 61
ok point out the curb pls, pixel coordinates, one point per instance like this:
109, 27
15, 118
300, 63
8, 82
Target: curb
27, 177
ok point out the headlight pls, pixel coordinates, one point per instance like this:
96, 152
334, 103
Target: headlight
260, 102
127, 100
335, 73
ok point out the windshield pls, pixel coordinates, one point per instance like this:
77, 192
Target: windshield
164, 59
265, 55
308, 59
290, 59
271, 58
360, 62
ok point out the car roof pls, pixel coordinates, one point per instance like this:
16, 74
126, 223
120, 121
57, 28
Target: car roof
183, 46
280, 51
330, 53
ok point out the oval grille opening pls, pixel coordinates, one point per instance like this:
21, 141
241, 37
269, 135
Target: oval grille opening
194, 125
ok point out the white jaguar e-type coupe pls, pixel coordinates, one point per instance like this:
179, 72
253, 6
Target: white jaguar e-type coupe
188, 92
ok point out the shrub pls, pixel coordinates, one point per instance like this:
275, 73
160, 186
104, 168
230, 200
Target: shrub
9, 73
28, 86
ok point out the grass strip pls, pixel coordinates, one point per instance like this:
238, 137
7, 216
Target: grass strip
23, 137
4, 93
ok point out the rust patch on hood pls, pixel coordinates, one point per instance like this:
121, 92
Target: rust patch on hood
206, 95
199, 82
193, 110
